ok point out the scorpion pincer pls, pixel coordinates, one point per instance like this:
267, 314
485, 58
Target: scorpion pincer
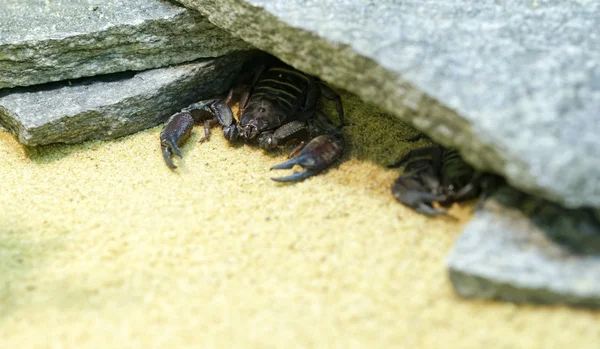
439, 174
277, 104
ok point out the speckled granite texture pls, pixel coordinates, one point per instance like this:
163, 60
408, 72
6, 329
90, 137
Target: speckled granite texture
519, 249
52, 40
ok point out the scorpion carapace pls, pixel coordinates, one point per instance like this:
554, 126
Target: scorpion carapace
438, 174
277, 104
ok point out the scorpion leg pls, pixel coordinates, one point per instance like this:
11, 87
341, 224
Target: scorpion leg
207, 125
179, 126
316, 156
269, 140
243, 89
330, 94
213, 108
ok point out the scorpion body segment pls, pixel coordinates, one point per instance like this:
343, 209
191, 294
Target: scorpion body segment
277, 104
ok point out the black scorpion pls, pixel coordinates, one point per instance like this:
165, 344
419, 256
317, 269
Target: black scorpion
277, 104
438, 174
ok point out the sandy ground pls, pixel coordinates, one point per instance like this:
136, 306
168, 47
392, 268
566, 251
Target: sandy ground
102, 245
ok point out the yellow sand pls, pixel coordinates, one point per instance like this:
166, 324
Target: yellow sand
101, 245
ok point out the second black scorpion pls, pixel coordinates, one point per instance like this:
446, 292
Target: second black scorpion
437, 174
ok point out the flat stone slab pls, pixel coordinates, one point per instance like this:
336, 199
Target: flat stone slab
114, 105
43, 41
522, 249
514, 85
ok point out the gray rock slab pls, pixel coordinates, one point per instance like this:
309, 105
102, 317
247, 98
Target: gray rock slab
43, 41
514, 85
522, 249
114, 105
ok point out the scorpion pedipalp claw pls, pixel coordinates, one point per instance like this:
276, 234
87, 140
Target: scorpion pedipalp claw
169, 148
316, 156
296, 176
287, 165
302, 160
176, 131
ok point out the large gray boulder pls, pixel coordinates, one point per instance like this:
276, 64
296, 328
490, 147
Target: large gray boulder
114, 105
42, 41
514, 85
522, 249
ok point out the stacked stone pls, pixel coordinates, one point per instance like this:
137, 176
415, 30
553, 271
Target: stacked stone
74, 71
514, 86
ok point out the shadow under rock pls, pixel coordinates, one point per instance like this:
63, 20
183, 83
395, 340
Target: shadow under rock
83, 81
577, 230
44, 154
